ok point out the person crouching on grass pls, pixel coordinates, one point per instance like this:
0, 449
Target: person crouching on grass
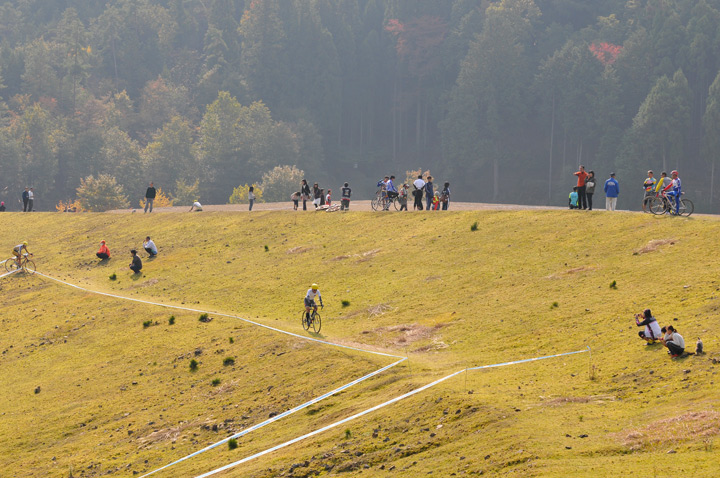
104, 252
136, 264
674, 342
150, 247
652, 330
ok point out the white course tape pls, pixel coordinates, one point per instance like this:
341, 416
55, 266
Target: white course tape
370, 410
8, 273
270, 420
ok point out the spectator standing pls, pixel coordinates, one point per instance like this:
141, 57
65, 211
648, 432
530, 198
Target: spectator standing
663, 182
251, 197
581, 177
104, 252
304, 193
328, 198
345, 197
317, 195
445, 196
402, 197
590, 188
150, 197
649, 187
612, 190
25, 197
136, 264
2, 206
31, 200
419, 186
429, 193
150, 247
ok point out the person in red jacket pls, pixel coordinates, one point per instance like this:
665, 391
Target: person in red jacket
582, 176
104, 252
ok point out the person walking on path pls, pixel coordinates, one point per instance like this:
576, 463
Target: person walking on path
590, 188
581, 177
25, 198
419, 186
612, 190
304, 193
150, 197
251, 197
31, 200
345, 193
429, 193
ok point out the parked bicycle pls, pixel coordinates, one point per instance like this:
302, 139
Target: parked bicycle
381, 202
25, 264
313, 322
662, 204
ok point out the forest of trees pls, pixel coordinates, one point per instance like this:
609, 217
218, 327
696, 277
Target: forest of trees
502, 98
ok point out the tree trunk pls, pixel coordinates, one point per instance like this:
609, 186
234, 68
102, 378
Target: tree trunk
394, 116
552, 140
496, 175
712, 185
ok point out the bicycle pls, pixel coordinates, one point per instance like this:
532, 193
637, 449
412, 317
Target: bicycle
381, 201
315, 322
25, 264
661, 204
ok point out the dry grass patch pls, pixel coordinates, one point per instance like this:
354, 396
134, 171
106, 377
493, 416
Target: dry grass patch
689, 426
574, 270
653, 245
588, 399
298, 250
405, 334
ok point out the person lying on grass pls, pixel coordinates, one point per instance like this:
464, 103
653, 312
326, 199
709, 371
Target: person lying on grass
652, 328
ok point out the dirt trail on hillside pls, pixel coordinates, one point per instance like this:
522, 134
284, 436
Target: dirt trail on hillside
354, 206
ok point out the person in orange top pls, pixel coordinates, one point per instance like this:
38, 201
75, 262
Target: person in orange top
104, 252
582, 200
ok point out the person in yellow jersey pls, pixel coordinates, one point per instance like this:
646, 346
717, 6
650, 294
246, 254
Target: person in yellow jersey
310, 300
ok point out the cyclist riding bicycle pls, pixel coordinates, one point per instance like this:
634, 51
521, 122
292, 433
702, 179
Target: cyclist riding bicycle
674, 190
17, 251
310, 300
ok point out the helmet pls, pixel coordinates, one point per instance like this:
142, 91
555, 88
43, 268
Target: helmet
24, 243
314, 287
674, 172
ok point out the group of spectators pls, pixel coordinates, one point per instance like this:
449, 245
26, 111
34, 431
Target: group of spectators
671, 187
320, 199
434, 199
668, 336
136, 265
581, 197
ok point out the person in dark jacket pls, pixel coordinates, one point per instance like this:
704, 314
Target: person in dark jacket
445, 196
149, 197
26, 198
304, 193
590, 188
429, 193
345, 197
2, 206
136, 263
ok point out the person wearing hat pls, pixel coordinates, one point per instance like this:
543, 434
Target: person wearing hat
310, 300
2, 206
649, 186
104, 252
674, 190
18, 251
612, 190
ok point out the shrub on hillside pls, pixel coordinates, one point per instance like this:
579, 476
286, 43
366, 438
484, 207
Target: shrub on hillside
101, 193
279, 183
411, 176
68, 206
186, 194
240, 194
161, 200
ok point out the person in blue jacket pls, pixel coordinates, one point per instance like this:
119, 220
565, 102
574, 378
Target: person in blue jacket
612, 190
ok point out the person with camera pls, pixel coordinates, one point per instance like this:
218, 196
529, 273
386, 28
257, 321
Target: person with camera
652, 328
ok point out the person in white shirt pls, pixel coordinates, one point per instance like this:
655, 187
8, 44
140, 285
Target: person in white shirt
150, 247
197, 206
310, 300
419, 185
652, 328
674, 342
31, 199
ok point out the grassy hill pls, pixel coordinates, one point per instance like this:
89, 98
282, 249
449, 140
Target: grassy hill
88, 390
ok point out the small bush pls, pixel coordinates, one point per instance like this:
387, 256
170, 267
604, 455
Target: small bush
232, 340
474, 226
203, 317
613, 285
345, 303
554, 305
216, 382
147, 324
232, 444
171, 320
266, 248
229, 361
348, 434
193, 365
113, 276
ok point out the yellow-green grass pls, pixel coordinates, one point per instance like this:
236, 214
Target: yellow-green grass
525, 284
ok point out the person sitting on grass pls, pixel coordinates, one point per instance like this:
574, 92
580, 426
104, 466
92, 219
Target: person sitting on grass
196, 206
674, 342
573, 199
652, 328
136, 264
150, 247
104, 252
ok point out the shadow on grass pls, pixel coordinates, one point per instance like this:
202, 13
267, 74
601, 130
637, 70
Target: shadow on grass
103, 262
137, 276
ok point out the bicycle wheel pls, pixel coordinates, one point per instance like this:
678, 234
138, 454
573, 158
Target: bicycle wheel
304, 321
29, 267
316, 322
686, 207
375, 203
396, 203
657, 206
10, 265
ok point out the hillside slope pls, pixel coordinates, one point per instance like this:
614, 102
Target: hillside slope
116, 397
